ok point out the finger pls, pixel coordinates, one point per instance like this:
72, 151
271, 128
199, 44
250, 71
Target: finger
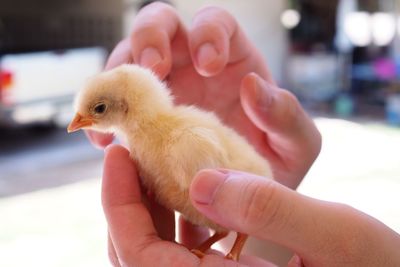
190, 235
163, 219
112, 255
289, 130
266, 209
215, 40
121, 54
154, 29
130, 224
99, 140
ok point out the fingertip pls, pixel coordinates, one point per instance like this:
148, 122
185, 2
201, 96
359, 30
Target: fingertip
205, 185
113, 151
278, 113
210, 40
256, 92
269, 107
257, 96
154, 29
208, 59
244, 202
120, 54
120, 184
117, 163
156, 60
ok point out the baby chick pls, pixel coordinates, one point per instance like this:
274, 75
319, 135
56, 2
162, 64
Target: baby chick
169, 143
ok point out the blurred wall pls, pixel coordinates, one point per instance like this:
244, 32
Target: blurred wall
260, 20
31, 25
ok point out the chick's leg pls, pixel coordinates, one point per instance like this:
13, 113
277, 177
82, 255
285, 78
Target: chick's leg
206, 245
237, 247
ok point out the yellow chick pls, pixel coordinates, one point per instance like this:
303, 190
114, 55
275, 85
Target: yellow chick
169, 143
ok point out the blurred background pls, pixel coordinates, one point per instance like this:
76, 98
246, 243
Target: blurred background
340, 57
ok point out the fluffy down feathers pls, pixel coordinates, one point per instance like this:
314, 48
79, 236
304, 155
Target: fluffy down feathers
170, 144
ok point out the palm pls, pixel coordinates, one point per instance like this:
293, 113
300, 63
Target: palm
220, 94
286, 136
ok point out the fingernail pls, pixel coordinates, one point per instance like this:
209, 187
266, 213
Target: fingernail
206, 54
107, 148
150, 57
262, 91
206, 186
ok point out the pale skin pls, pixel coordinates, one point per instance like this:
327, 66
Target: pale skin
320, 233
229, 77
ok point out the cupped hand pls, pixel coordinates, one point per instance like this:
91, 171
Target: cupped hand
320, 233
141, 233
213, 65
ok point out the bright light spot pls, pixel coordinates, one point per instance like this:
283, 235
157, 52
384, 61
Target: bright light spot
290, 18
357, 26
363, 28
383, 28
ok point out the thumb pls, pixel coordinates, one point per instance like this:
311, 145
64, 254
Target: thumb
321, 233
289, 131
262, 208
242, 202
271, 109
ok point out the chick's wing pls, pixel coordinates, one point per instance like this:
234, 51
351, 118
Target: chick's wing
193, 149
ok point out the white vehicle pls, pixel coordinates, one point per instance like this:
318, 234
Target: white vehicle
38, 88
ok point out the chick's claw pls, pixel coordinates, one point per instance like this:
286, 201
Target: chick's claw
206, 245
237, 247
230, 256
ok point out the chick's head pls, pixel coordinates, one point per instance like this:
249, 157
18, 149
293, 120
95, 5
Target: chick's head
123, 96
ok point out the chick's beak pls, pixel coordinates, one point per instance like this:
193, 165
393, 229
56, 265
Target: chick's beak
79, 122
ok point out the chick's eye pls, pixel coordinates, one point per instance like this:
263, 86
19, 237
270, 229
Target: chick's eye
100, 108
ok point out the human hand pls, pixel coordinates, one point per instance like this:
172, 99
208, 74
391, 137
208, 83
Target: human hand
141, 232
320, 233
213, 65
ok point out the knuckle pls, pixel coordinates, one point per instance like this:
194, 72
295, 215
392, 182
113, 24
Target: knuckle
261, 206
